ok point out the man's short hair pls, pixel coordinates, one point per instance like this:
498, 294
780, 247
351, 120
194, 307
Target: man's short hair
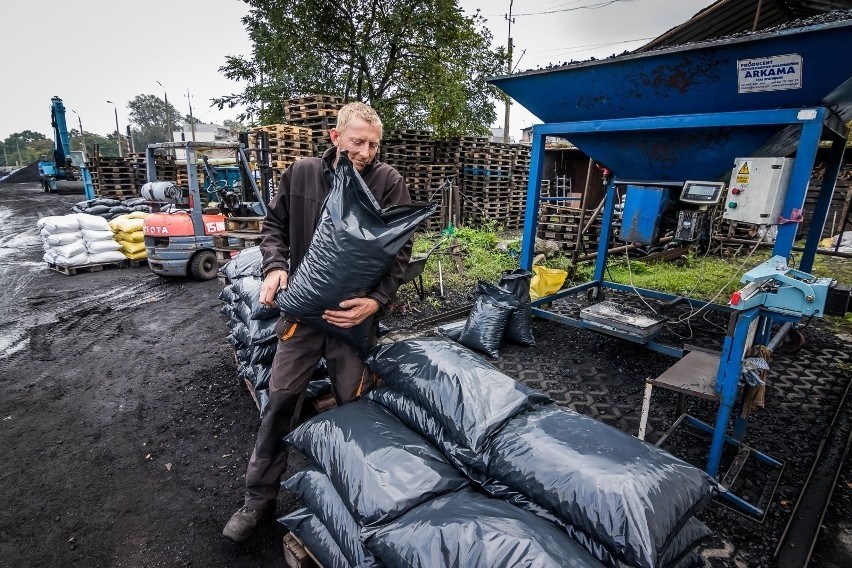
358, 110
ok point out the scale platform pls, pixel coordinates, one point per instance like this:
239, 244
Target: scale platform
610, 317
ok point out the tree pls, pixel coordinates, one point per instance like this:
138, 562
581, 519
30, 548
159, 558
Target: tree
420, 63
25, 147
151, 120
235, 126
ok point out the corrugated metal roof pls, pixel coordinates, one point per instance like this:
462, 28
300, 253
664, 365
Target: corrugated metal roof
726, 17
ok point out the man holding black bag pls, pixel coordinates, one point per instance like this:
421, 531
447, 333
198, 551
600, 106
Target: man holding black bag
287, 232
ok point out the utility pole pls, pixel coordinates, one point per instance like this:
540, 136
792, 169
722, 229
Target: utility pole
82, 136
508, 72
191, 118
168, 113
20, 159
117, 129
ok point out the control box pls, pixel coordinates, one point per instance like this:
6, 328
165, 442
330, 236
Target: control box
757, 191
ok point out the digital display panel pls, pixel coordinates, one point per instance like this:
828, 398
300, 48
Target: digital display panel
701, 192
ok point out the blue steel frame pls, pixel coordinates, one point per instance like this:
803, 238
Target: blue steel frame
814, 122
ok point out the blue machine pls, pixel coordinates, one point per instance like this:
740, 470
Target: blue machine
686, 113
68, 169
642, 213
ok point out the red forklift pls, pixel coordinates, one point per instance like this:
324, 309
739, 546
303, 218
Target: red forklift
179, 233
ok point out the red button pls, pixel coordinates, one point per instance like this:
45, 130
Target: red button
735, 298
736, 191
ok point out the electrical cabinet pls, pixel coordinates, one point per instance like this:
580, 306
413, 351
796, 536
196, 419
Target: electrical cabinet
757, 191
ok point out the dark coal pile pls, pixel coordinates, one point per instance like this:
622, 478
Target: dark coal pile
27, 174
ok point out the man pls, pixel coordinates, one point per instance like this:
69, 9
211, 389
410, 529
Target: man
287, 230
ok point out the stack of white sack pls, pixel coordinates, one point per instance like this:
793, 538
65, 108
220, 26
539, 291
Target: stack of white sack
128, 233
78, 239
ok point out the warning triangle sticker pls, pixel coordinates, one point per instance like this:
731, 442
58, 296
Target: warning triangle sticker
743, 170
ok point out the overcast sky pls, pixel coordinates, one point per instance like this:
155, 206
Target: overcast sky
91, 51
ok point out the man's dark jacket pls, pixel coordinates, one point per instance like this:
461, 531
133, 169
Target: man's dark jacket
294, 212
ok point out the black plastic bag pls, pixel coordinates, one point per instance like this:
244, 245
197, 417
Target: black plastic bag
355, 244
227, 294
258, 354
315, 490
248, 289
474, 531
316, 538
519, 326
466, 395
415, 417
630, 496
452, 330
487, 321
690, 536
248, 262
257, 375
380, 468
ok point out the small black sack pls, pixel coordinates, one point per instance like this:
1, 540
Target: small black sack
519, 326
487, 321
354, 246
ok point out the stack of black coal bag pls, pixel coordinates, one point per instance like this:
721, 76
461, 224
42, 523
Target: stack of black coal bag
500, 313
252, 327
452, 463
109, 208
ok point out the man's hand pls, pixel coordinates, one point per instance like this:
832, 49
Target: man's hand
274, 281
354, 312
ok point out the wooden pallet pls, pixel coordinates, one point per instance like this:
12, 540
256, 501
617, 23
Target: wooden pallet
243, 224
323, 403
73, 270
296, 555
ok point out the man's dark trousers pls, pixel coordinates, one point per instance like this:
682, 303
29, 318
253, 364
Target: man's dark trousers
299, 350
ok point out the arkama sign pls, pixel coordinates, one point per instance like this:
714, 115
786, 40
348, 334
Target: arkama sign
773, 73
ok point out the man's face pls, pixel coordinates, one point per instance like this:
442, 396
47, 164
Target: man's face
359, 138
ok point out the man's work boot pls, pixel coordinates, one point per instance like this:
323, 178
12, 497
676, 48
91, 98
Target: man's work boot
241, 525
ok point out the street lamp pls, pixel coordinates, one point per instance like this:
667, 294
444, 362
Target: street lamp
82, 136
117, 131
168, 114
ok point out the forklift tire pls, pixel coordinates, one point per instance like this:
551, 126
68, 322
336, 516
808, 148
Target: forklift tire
203, 265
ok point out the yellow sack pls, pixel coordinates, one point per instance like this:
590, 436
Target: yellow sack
138, 215
132, 248
136, 255
546, 281
126, 224
134, 237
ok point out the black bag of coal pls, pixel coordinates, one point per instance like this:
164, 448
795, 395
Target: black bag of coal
354, 246
316, 538
487, 321
690, 536
418, 419
380, 468
452, 330
630, 496
248, 262
316, 491
519, 326
463, 392
472, 530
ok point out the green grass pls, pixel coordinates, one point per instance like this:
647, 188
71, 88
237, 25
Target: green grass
702, 277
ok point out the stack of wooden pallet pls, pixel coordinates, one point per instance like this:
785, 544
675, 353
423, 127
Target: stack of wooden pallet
316, 112
562, 224
287, 144
486, 181
412, 153
115, 178
240, 233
